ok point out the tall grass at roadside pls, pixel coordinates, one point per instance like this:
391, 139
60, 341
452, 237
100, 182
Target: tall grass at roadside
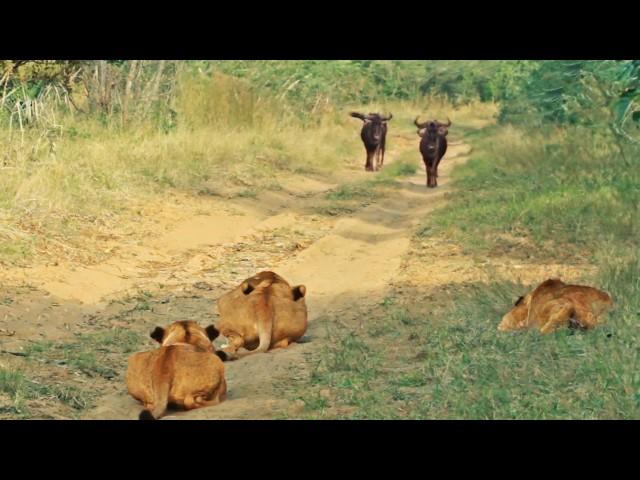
569, 188
52, 184
225, 141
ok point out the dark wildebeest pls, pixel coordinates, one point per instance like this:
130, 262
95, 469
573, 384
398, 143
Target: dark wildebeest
433, 146
373, 134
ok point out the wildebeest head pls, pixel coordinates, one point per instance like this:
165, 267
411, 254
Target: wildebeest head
374, 122
431, 128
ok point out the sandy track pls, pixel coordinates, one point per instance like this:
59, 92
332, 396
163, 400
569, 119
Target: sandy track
357, 259
345, 262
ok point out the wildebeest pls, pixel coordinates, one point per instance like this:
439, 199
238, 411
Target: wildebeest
373, 134
433, 146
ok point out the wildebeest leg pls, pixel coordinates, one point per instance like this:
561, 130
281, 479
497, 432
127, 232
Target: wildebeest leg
382, 154
369, 165
430, 175
426, 166
436, 161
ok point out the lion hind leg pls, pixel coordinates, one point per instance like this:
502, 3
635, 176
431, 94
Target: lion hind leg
559, 316
282, 343
215, 400
585, 317
200, 400
212, 398
190, 402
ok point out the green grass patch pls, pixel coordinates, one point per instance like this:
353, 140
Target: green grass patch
570, 188
18, 389
349, 197
13, 251
563, 193
95, 355
353, 191
333, 209
450, 362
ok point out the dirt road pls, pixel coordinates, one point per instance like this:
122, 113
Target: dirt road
353, 257
175, 258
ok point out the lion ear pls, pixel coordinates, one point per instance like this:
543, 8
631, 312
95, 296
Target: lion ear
246, 288
222, 355
212, 332
299, 292
157, 334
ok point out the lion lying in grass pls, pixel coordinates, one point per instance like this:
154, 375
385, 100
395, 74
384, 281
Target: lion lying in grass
185, 371
262, 313
554, 304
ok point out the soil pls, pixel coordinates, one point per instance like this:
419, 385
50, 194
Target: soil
180, 255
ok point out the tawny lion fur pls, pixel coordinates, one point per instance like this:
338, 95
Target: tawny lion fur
185, 372
262, 313
554, 304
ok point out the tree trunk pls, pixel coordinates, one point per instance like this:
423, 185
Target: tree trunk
127, 92
102, 84
155, 87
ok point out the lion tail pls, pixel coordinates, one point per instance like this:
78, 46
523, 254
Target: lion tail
161, 388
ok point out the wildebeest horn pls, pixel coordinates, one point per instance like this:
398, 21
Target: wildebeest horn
386, 119
447, 124
420, 125
358, 115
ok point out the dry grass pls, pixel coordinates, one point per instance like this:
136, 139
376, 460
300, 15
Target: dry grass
86, 175
90, 181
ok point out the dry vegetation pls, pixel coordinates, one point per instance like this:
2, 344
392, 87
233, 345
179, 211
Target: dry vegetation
554, 182
88, 177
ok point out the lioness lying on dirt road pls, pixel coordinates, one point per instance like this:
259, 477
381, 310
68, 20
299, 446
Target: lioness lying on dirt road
185, 371
554, 304
262, 313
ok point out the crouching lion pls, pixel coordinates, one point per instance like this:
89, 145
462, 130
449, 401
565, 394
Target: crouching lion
262, 313
185, 372
554, 304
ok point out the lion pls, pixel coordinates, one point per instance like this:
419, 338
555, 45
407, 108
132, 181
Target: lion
185, 372
262, 313
554, 304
